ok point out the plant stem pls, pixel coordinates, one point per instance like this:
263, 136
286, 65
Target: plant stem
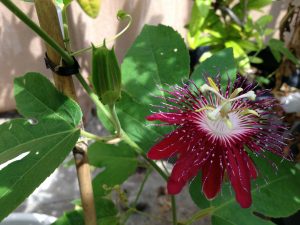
48, 19
108, 40
93, 96
129, 211
115, 118
201, 214
40, 32
96, 137
140, 151
164, 166
149, 171
66, 29
174, 213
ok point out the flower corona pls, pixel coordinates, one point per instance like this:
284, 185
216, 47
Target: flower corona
215, 131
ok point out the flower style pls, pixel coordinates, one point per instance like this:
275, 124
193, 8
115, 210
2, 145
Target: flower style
213, 130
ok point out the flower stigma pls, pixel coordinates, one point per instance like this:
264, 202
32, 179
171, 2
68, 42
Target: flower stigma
221, 111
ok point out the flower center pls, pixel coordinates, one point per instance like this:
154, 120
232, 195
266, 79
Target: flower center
219, 127
221, 112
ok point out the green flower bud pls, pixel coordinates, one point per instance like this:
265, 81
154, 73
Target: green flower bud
106, 75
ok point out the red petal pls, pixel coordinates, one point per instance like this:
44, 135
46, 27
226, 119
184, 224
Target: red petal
251, 166
212, 177
173, 143
183, 171
174, 187
171, 118
239, 176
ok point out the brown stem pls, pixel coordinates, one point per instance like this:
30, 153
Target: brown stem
48, 20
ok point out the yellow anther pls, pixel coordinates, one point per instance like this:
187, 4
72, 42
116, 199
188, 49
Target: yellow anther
207, 107
213, 84
249, 111
236, 92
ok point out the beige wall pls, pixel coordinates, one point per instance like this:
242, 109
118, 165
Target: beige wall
21, 51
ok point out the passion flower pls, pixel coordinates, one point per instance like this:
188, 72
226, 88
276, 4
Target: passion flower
215, 131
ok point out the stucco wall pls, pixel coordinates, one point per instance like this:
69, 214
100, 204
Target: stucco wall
22, 51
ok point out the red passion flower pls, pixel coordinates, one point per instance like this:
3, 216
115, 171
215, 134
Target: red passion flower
213, 130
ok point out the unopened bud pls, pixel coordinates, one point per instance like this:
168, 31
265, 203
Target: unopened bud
106, 75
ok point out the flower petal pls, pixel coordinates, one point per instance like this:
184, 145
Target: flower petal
239, 176
251, 167
171, 144
212, 176
171, 118
183, 171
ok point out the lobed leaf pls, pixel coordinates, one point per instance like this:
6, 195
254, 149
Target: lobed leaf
118, 162
157, 57
36, 98
35, 147
46, 145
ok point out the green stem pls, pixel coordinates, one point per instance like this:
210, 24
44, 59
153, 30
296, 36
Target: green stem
140, 151
174, 213
116, 120
93, 96
164, 166
199, 215
130, 211
39, 31
66, 29
96, 137
108, 40
142, 187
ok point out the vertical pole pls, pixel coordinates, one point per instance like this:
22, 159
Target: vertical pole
48, 20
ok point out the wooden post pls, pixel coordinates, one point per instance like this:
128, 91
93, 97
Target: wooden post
48, 20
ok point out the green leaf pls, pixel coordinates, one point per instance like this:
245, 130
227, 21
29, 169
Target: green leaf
276, 195
132, 116
46, 144
200, 11
240, 55
67, 2
118, 161
277, 47
248, 46
157, 57
255, 60
106, 214
268, 32
262, 80
37, 98
90, 7
263, 21
258, 4
221, 62
199, 40
216, 220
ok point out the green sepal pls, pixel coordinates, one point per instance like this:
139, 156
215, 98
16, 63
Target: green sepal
106, 75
